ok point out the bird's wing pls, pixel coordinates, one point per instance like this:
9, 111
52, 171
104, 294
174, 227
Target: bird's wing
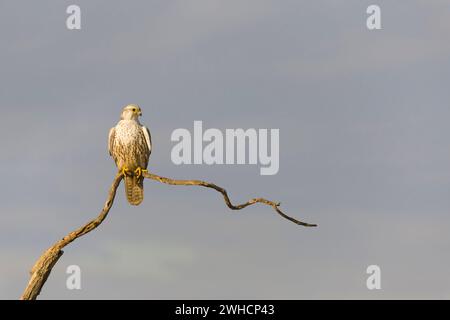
148, 139
112, 134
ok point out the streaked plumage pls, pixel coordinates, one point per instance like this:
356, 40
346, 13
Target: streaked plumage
130, 146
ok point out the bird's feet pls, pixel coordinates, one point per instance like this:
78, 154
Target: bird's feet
125, 171
139, 171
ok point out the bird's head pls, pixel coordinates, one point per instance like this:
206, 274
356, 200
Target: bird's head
131, 112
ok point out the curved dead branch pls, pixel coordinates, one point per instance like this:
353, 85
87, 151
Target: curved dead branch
274, 205
44, 265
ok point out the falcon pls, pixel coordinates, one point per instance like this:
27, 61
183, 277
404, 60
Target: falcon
130, 146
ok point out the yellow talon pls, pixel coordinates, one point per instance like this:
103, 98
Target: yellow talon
125, 171
139, 171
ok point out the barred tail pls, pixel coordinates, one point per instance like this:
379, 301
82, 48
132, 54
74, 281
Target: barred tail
134, 190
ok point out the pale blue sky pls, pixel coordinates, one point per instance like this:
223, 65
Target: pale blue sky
364, 147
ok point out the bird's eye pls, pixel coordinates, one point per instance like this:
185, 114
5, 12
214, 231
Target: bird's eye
134, 109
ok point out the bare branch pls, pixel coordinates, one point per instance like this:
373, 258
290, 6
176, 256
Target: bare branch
44, 265
225, 195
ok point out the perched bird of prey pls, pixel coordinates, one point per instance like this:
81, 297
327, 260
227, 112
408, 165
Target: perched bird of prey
130, 146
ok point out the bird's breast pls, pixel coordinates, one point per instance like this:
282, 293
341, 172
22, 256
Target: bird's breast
127, 132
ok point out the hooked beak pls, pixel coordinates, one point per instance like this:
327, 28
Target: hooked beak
140, 113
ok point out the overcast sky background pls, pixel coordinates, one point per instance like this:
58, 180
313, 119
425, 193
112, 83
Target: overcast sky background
364, 147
